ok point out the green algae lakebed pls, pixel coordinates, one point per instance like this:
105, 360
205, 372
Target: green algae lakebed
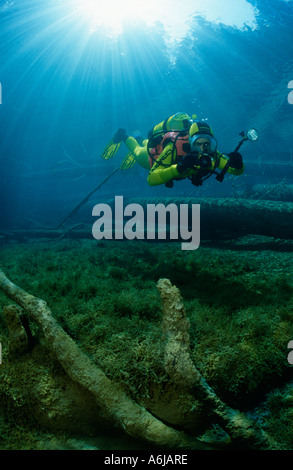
238, 298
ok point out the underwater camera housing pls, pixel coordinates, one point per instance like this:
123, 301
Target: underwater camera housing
204, 161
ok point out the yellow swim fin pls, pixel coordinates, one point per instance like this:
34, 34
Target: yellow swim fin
128, 162
110, 150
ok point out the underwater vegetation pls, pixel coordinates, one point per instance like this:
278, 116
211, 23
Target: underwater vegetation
239, 306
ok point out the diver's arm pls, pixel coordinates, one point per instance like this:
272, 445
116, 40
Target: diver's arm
160, 174
235, 171
232, 170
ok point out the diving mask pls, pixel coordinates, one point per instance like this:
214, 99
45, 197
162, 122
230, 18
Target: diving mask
202, 143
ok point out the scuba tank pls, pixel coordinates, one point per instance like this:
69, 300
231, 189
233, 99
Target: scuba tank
177, 122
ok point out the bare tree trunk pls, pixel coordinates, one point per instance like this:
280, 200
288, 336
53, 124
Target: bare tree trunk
180, 367
116, 405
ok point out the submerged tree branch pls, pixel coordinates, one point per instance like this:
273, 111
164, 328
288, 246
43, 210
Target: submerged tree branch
179, 366
117, 408
116, 405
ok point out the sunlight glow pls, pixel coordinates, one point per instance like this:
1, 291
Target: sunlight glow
173, 15
113, 13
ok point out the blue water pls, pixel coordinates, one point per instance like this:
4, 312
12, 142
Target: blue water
64, 92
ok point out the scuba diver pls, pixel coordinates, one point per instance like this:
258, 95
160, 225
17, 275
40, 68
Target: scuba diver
178, 148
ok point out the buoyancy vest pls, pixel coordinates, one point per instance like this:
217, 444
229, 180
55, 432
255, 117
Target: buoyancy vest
158, 142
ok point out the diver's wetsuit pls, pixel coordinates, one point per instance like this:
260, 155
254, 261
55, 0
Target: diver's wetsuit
164, 168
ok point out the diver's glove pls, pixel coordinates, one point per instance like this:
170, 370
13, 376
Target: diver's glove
235, 160
119, 136
186, 163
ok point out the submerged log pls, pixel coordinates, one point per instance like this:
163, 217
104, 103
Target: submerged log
181, 368
115, 404
237, 216
218, 217
274, 192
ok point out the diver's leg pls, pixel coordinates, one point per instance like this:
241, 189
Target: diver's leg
140, 153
